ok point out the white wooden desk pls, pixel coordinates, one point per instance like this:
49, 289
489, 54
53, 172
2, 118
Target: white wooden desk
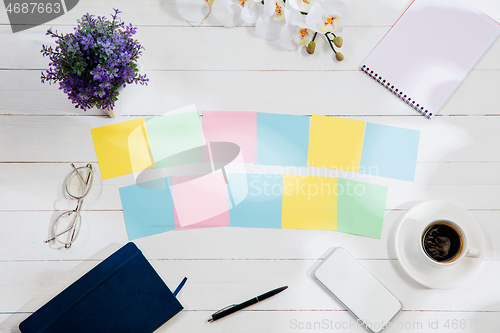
231, 69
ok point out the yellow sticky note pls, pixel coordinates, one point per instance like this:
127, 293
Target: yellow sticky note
309, 203
122, 148
335, 143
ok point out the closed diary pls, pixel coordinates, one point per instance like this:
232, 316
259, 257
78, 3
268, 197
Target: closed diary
121, 294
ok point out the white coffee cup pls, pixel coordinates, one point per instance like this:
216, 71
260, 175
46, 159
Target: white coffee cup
453, 235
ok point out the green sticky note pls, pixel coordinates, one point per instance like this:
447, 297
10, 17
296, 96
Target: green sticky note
360, 207
173, 134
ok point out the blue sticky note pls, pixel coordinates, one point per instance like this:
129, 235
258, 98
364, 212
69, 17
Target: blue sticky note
390, 151
261, 208
148, 209
282, 139
238, 188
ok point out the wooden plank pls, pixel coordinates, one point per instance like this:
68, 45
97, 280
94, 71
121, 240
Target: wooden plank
23, 234
470, 185
213, 284
185, 48
248, 321
150, 12
362, 12
300, 92
38, 138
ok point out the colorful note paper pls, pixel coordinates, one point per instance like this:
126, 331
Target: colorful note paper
261, 207
212, 188
282, 139
199, 198
221, 220
236, 127
306, 202
238, 184
335, 143
173, 134
360, 208
390, 151
147, 210
122, 148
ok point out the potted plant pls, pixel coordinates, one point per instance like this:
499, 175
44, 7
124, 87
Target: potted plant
95, 61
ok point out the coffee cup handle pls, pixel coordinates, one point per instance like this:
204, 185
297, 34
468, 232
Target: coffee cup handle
473, 253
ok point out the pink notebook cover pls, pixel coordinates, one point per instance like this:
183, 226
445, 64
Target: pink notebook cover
429, 51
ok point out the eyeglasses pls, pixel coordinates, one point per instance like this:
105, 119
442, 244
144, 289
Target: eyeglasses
67, 226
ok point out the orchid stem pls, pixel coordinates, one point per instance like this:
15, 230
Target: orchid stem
314, 37
330, 42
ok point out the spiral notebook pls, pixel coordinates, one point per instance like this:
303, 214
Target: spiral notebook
430, 50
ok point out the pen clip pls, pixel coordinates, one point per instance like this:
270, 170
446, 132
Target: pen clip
223, 309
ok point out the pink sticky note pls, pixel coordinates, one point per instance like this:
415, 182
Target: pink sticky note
236, 127
199, 198
221, 220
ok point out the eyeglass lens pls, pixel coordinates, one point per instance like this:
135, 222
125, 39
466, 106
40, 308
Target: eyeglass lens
79, 182
67, 227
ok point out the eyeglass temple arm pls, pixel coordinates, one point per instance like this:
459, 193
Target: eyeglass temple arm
80, 176
59, 234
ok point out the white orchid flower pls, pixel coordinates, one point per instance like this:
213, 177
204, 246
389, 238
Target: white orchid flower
227, 12
232, 13
295, 32
194, 11
302, 5
327, 16
251, 10
269, 25
295, 24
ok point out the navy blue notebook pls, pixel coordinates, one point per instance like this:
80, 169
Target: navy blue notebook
121, 294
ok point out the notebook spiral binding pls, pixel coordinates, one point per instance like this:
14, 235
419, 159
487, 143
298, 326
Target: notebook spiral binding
397, 93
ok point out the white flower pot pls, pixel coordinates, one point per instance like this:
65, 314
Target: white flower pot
117, 108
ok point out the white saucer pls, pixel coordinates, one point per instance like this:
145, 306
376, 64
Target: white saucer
413, 260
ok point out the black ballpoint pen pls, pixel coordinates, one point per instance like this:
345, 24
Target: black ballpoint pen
236, 307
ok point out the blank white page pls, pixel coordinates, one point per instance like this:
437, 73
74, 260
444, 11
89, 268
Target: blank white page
430, 50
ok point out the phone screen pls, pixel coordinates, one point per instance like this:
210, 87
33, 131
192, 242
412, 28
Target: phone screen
358, 290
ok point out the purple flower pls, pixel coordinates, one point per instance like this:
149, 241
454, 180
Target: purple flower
91, 63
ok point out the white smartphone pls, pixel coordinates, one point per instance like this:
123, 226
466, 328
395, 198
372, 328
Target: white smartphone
358, 290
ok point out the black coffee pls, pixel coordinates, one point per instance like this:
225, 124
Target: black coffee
442, 242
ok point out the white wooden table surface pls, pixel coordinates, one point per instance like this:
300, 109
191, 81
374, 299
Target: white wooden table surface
232, 69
